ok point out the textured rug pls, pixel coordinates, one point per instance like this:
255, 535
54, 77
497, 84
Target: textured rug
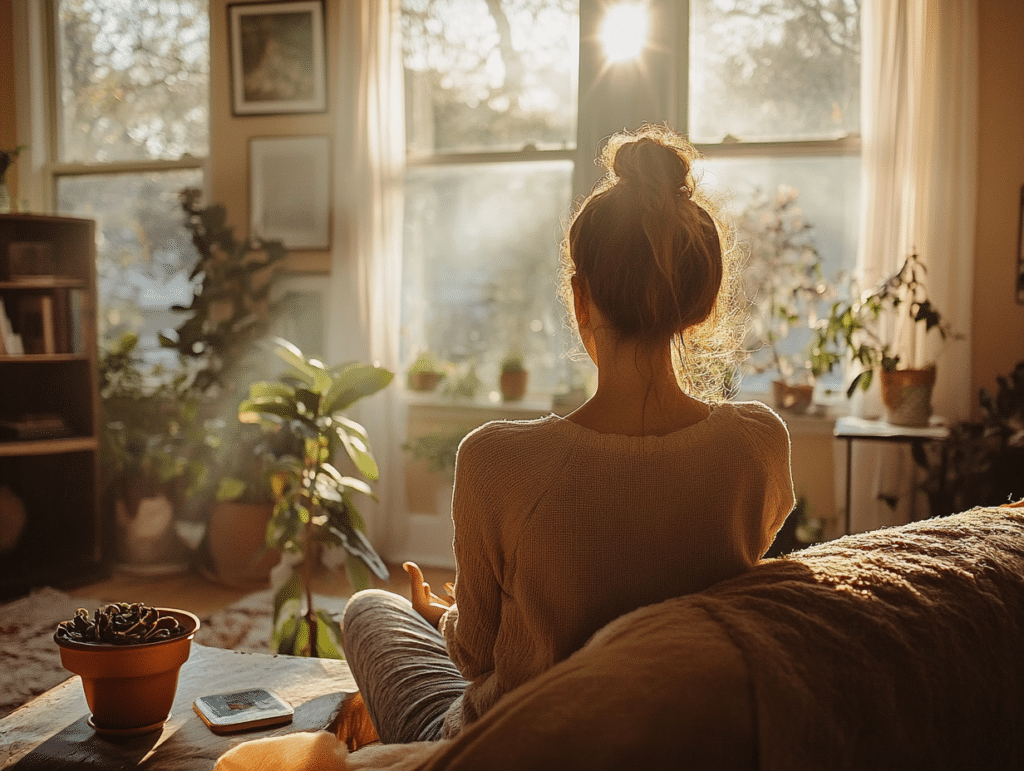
30, 662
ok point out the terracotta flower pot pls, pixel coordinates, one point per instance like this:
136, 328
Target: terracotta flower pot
130, 688
907, 395
237, 535
796, 398
513, 384
424, 381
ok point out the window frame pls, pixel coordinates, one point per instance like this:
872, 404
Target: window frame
52, 167
669, 72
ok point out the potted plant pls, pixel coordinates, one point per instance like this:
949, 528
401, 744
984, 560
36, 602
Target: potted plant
147, 416
315, 510
514, 377
437, 448
230, 314
981, 462
425, 373
128, 656
869, 327
785, 280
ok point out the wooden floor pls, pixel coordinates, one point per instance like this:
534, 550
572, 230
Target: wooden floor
191, 591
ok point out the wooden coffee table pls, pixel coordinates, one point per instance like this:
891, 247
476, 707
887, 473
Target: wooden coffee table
51, 732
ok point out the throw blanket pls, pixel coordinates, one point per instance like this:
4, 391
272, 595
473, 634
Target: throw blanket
899, 648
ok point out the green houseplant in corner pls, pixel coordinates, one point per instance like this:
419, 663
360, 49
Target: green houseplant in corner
871, 326
315, 510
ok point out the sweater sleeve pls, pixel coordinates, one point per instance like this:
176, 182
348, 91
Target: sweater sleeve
774, 449
471, 626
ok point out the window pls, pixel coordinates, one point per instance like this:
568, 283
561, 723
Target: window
491, 137
497, 93
131, 131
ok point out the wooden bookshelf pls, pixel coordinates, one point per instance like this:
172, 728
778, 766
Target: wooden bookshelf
48, 374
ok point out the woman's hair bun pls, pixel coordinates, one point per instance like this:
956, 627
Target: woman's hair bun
648, 164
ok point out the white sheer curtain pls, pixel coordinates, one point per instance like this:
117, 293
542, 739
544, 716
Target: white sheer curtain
918, 114
363, 299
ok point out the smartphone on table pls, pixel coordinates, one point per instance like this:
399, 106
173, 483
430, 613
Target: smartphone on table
243, 710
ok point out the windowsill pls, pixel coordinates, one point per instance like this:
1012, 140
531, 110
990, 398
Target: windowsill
819, 420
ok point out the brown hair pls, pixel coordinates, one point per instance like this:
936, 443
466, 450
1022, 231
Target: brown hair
656, 259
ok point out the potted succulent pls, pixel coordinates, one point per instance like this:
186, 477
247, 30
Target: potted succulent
785, 280
425, 373
868, 327
128, 656
315, 513
514, 377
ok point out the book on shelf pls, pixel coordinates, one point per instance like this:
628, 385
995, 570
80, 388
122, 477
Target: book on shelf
36, 323
10, 343
34, 426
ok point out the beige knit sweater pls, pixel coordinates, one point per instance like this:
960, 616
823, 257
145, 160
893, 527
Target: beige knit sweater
560, 529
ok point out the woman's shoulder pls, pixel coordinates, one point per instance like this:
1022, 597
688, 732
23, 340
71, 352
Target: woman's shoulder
752, 417
501, 435
525, 446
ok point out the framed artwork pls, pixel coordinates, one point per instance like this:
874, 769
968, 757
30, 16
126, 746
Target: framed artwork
290, 190
277, 58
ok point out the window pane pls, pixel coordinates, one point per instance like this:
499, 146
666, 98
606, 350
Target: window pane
144, 252
828, 196
481, 257
133, 79
490, 74
769, 70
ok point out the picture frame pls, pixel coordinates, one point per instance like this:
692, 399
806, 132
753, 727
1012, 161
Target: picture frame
278, 63
290, 190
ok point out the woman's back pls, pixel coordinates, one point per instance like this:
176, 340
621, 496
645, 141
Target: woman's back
560, 529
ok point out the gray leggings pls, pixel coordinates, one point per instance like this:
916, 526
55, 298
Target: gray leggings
401, 667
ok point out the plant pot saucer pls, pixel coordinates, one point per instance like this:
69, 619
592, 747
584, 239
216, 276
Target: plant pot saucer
125, 733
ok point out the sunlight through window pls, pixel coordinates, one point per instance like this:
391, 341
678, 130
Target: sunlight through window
624, 31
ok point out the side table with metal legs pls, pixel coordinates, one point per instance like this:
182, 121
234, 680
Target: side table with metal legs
852, 429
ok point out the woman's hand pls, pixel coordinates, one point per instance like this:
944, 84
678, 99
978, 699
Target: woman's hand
424, 601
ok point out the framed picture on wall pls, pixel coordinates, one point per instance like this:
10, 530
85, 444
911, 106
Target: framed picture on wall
290, 190
277, 58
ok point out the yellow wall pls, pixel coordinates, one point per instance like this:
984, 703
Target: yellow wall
8, 131
998, 320
227, 169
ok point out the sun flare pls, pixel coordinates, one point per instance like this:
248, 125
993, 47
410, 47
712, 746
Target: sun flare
624, 31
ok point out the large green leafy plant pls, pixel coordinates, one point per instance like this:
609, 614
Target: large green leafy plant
230, 314
315, 512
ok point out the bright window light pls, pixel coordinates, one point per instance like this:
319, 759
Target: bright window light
624, 31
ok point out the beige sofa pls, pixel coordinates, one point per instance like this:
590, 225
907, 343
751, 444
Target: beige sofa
897, 649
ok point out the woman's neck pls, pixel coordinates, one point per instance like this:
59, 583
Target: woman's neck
637, 392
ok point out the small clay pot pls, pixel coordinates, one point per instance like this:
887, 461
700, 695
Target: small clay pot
907, 396
513, 384
424, 381
795, 398
130, 688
